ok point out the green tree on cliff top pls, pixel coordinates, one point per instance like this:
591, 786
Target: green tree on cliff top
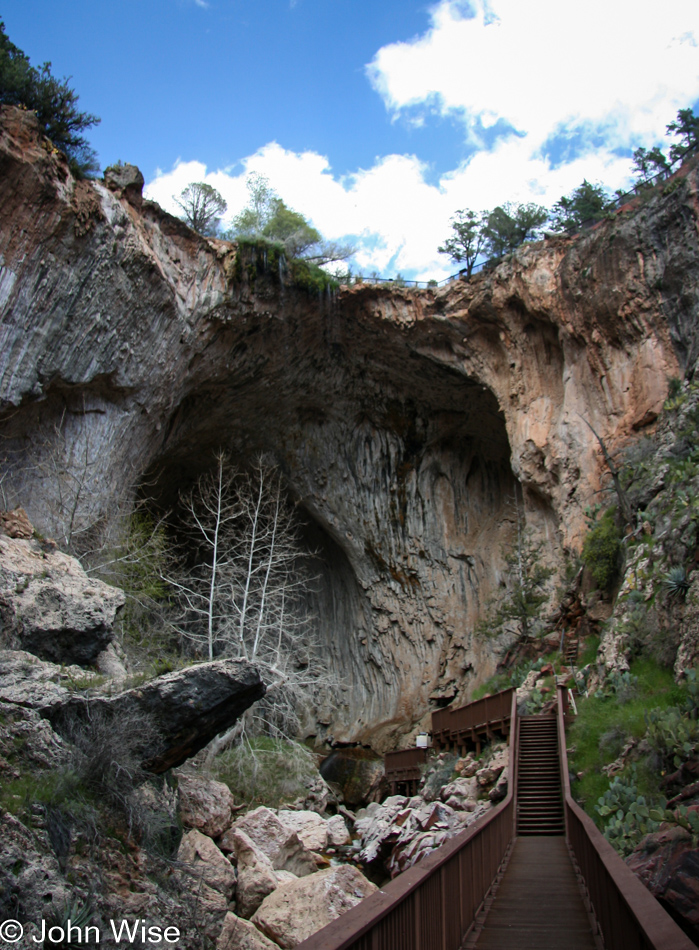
267, 218
54, 102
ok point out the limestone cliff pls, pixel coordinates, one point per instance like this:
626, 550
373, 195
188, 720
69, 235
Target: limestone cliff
404, 421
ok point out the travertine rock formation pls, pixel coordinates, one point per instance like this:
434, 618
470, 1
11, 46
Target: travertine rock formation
405, 422
50, 607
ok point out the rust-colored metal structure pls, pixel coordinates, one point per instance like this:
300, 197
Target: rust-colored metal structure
403, 770
440, 903
457, 730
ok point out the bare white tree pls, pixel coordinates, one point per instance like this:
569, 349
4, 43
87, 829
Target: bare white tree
243, 593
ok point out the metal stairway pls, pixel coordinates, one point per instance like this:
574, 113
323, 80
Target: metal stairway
539, 798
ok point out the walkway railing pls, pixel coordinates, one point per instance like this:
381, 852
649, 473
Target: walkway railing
629, 918
432, 906
404, 768
473, 722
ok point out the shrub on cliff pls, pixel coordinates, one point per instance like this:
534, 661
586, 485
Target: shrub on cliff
54, 102
602, 551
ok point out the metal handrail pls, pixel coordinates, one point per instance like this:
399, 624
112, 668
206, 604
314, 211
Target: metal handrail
629, 917
404, 759
434, 905
478, 713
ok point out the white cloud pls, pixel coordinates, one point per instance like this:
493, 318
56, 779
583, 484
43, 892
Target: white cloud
395, 216
618, 69
539, 64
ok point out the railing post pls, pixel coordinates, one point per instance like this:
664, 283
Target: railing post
417, 911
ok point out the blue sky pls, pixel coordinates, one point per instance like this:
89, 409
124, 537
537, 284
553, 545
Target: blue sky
375, 119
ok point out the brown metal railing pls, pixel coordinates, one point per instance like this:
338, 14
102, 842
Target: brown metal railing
448, 725
403, 769
433, 905
404, 759
628, 916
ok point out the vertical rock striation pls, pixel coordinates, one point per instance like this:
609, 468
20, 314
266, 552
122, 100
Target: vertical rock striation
405, 422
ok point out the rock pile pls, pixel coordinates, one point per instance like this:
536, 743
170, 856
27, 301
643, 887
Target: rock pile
262, 878
398, 833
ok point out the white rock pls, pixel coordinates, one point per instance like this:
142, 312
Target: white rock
338, 833
238, 934
207, 862
283, 877
282, 846
308, 825
300, 908
204, 804
256, 876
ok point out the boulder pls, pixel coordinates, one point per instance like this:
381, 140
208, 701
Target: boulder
668, 864
238, 934
461, 794
309, 826
188, 708
337, 831
256, 876
50, 607
499, 791
109, 664
204, 804
207, 863
467, 766
357, 773
300, 908
35, 684
282, 846
16, 524
283, 877
127, 181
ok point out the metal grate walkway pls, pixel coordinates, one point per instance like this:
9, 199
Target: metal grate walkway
538, 905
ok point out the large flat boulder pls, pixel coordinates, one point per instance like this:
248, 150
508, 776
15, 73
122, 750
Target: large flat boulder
300, 908
50, 607
187, 708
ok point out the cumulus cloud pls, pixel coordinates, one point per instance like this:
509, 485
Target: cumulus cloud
543, 65
567, 91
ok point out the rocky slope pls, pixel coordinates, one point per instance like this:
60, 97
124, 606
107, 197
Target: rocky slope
405, 422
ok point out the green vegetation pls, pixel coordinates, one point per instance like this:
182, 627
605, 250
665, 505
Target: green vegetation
54, 102
268, 221
100, 787
266, 771
136, 561
602, 550
202, 207
497, 233
526, 578
586, 203
609, 719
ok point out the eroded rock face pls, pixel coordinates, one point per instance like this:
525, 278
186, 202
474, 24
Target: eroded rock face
405, 422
